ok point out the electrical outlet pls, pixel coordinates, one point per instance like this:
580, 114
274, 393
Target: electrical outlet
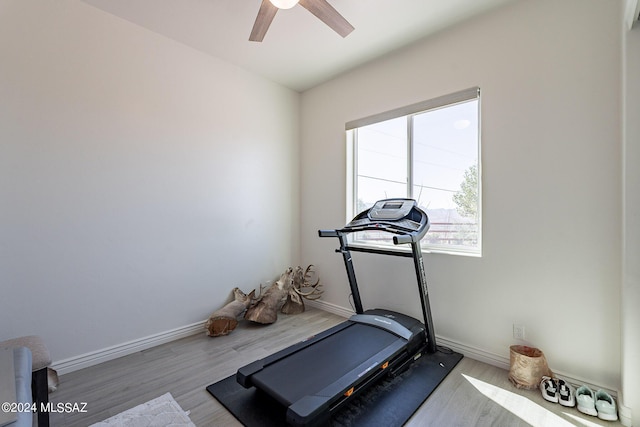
518, 332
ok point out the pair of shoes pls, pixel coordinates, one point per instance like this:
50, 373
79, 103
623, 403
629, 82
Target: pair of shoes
557, 391
599, 404
549, 389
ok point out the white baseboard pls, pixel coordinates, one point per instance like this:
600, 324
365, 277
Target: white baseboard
331, 308
474, 352
468, 351
103, 355
498, 360
110, 353
99, 356
624, 413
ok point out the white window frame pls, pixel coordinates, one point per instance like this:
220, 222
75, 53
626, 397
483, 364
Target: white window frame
410, 111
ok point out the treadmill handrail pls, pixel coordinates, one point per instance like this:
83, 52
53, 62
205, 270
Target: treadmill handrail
381, 226
328, 233
401, 236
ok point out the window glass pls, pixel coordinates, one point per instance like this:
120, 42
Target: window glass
382, 162
433, 157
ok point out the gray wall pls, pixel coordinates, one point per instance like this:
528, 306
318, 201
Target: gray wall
550, 75
140, 180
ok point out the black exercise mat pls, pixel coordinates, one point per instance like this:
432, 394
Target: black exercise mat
389, 403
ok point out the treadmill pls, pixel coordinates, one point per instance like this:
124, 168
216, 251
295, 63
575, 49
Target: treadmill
316, 377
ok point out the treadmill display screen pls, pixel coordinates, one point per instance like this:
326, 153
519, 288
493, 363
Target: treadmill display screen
391, 209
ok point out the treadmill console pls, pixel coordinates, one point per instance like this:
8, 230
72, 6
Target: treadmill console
396, 216
391, 209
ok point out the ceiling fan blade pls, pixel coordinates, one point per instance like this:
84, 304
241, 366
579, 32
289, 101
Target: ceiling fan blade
327, 14
263, 20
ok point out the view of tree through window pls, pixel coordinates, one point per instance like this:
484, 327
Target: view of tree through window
431, 156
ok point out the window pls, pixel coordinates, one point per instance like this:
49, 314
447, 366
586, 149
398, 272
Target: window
429, 152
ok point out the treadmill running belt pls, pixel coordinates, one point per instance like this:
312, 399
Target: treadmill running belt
390, 403
315, 367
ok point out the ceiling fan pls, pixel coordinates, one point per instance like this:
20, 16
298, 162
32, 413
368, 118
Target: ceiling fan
320, 8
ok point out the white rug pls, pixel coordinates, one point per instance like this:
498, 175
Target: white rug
162, 411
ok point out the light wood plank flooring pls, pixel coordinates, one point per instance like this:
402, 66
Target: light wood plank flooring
474, 394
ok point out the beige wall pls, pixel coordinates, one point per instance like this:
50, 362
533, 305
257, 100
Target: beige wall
140, 180
550, 75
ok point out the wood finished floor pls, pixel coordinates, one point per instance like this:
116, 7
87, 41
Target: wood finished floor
474, 394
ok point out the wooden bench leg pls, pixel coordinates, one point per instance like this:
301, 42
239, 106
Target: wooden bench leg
40, 389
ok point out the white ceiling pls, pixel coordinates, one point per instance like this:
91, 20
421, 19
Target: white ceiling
299, 51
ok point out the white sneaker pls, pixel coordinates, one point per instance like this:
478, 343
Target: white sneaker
566, 394
549, 389
586, 401
606, 406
